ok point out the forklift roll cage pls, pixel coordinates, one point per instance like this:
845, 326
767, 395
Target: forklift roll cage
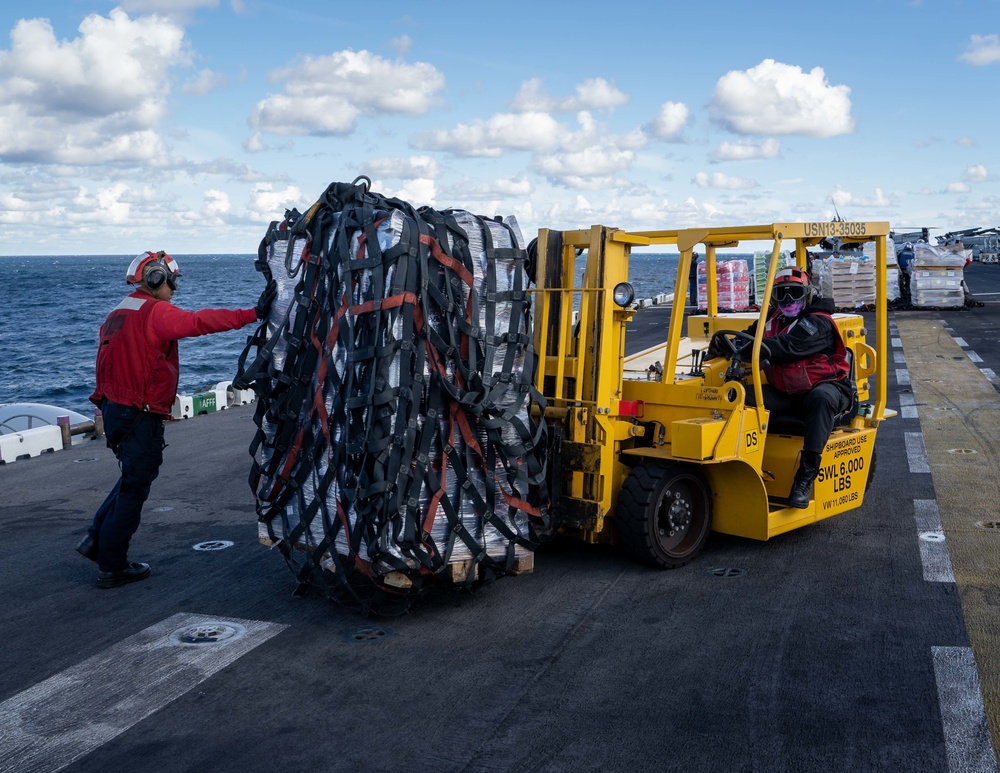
652, 456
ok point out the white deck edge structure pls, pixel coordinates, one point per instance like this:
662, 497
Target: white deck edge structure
963, 717
50, 725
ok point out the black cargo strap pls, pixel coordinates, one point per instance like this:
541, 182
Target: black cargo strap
385, 442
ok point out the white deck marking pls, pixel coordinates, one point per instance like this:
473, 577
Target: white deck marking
960, 341
963, 716
59, 720
902, 377
988, 372
933, 547
908, 407
897, 343
899, 358
916, 453
973, 356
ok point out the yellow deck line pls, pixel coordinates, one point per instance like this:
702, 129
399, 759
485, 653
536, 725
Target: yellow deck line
959, 412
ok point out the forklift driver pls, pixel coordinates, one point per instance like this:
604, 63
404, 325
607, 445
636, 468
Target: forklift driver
807, 372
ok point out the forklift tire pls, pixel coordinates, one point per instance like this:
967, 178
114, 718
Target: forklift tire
664, 514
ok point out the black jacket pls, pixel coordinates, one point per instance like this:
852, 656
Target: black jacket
811, 334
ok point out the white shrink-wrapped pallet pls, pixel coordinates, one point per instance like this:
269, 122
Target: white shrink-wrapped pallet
937, 274
892, 267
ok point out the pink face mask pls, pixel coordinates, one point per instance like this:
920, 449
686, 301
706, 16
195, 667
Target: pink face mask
792, 309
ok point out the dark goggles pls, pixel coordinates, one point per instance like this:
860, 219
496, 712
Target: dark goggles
789, 293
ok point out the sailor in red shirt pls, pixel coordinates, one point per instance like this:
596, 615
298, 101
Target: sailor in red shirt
137, 376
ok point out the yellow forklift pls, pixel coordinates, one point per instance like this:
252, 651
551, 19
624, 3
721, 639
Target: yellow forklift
655, 450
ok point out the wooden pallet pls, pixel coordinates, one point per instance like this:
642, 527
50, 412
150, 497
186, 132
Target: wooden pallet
457, 572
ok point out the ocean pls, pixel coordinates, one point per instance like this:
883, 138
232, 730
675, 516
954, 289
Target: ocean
53, 308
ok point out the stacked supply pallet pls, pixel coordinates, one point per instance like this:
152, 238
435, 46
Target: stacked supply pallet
396, 445
936, 275
761, 262
848, 281
733, 285
892, 267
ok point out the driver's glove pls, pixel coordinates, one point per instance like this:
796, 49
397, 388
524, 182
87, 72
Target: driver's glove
714, 351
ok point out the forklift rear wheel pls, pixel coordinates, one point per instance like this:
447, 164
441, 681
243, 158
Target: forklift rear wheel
664, 514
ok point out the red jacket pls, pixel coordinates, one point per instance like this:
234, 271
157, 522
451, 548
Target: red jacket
803, 374
137, 361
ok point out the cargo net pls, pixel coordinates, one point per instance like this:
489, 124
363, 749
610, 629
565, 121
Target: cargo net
396, 447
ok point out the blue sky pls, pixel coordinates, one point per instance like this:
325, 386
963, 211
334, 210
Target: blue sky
188, 125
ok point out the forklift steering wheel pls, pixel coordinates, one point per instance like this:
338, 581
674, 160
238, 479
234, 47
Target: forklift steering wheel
736, 345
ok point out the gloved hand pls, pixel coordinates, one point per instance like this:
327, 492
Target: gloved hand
266, 299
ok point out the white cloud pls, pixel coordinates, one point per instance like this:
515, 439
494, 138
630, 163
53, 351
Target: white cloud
254, 143
966, 142
96, 99
982, 50
976, 173
266, 205
217, 203
720, 180
670, 121
518, 187
418, 192
405, 168
205, 82
776, 98
108, 206
325, 95
957, 188
843, 198
592, 94
592, 168
746, 150
504, 131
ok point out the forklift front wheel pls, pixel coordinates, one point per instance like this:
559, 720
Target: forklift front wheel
664, 513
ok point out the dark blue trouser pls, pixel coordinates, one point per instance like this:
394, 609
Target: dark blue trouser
136, 437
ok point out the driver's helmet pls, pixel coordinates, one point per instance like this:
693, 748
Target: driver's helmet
156, 268
792, 290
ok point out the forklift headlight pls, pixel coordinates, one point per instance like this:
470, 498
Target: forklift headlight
624, 294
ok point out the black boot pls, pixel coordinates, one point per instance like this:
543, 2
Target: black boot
804, 477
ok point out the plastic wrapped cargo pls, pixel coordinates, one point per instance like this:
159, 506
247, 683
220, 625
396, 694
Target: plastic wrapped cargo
732, 284
761, 263
397, 445
868, 250
944, 256
849, 282
937, 274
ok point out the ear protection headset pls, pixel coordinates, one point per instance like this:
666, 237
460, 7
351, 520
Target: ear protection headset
155, 274
154, 269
